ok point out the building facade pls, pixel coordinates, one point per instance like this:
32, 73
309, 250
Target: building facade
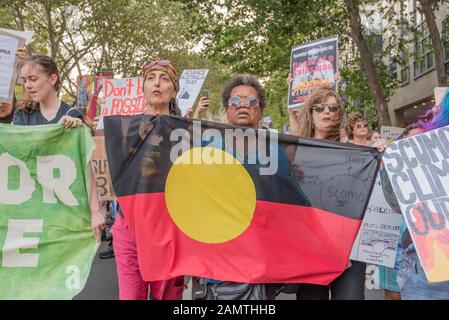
416, 73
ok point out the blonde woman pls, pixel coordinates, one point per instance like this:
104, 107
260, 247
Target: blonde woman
321, 117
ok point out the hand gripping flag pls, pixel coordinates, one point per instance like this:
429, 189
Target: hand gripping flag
237, 204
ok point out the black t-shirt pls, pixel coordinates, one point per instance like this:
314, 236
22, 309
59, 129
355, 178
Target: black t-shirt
34, 118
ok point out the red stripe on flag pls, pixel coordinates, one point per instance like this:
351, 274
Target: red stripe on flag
283, 244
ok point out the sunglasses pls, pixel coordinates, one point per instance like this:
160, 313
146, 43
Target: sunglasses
360, 126
163, 63
250, 101
322, 106
158, 62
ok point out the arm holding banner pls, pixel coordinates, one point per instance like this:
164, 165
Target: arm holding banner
293, 116
70, 122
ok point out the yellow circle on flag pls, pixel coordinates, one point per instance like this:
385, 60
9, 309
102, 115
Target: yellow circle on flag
210, 195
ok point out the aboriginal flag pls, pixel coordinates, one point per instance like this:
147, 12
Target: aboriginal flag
237, 204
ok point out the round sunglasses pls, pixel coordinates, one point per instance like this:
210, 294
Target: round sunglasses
249, 101
360, 126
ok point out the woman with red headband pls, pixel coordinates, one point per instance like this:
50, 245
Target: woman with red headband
160, 87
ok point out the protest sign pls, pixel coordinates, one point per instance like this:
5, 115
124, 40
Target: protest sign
84, 86
99, 80
312, 65
97, 101
46, 241
9, 44
101, 170
27, 34
378, 237
418, 168
390, 134
122, 96
190, 85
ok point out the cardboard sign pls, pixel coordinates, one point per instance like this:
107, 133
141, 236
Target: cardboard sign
312, 65
9, 43
190, 84
390, 134
100, 168
378, 237
418, 168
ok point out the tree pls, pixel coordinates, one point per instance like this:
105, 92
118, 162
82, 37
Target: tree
256, 37
86, 36
57, 26
367, 60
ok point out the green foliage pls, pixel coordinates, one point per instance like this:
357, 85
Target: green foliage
112, 35
355, 91
233, 36
257, 37
277, 93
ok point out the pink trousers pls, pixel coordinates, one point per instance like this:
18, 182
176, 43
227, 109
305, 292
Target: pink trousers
130, 282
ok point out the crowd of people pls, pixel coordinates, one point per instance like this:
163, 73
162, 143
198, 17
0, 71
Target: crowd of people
321, 117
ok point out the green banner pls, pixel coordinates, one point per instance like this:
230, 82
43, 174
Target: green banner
46, 243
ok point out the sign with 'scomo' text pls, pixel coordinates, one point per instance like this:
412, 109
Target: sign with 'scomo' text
418, 168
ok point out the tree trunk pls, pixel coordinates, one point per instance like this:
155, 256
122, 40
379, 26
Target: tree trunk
369, 69
50, 30
438, 50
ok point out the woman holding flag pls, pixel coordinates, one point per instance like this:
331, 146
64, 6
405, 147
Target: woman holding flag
161, 84
41, 79
321, 118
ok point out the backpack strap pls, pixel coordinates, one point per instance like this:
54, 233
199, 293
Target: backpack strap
67, 113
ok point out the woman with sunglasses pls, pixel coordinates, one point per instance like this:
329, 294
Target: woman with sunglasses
358, 129
321, 118
160, 86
